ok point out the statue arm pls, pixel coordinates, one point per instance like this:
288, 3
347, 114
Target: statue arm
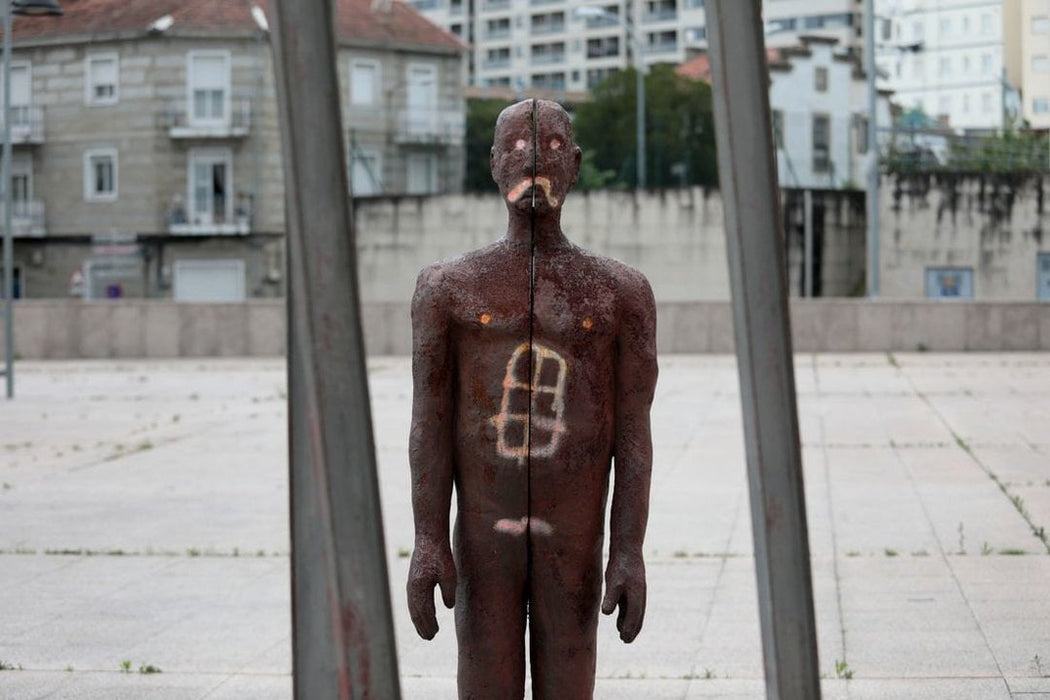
430, 453
636, 372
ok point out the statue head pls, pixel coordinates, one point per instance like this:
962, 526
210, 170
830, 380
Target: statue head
534, 158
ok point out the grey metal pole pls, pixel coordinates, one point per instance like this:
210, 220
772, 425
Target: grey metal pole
343, 635
5, 187
639, 117
873, 150
763, 343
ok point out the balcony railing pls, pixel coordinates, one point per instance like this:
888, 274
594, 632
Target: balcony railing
548, 58
27, 123
610, 20
549, 28
497, 33
27, 218
495, 63
424, 126
177, 119
495, 4
666, 46
179, 223
662, 15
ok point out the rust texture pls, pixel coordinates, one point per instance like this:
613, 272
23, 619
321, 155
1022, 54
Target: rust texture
534, 363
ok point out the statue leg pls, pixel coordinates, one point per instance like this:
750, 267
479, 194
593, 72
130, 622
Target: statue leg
490, 621
564, 588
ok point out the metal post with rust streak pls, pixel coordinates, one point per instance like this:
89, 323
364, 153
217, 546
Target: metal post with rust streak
763, 344
343, 634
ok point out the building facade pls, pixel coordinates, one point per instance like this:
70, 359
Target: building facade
147, 156
946, 57
551, 44
1027, 44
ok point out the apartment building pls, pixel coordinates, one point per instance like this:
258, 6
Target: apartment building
551, 44
947, 58
1026, 25
147, 156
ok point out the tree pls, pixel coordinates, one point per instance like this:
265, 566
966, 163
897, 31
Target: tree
481, 125
679, 129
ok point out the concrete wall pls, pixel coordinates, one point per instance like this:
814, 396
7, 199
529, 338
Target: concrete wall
61, 329
994, 225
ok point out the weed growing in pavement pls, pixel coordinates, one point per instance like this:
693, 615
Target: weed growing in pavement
891, 552
8, 666
962, 540
403, 553
986, 549
842, 669
125, 666
147, 669
1037, 666
1012, 552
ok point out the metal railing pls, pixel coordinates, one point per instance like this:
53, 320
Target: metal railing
441, 126
27, 217
27, 123
177, 117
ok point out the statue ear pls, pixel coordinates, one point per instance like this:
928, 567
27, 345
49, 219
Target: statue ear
577, 159
492, 163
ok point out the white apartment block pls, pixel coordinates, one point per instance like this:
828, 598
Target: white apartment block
946, 57
546, 44
1027, 44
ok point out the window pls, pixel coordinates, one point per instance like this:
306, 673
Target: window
497, 28
1041, 63
603, 46
965, 103
966, 24
820, 79
1040, 24
944, 104
861, 124
986, 63
364, 82
100, 175
1041, 105
986, 24
100, 79
918, 66
366, 172
209, 87
691, 4
778, 128
548, 53
211, 186
548, 23
986, 102
944, 66
421, 176
549, 81
945, 26
821, 143
949, 283
498, 57
918, 29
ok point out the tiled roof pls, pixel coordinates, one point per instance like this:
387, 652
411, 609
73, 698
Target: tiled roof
699, 68
379, 21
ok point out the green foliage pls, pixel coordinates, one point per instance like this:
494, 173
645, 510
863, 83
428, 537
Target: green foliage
481, 125
679, 129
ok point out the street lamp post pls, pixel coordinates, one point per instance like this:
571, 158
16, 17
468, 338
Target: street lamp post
873, 151
13, 7
592, 11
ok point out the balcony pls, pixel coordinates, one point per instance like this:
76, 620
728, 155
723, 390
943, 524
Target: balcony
495, 4
434, 127
27, 124
177, 120
178, 223
27, 218
662, 46
541, 59
548, 28
496, 63
661, 15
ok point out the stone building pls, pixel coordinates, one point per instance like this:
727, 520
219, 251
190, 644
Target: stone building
147, 158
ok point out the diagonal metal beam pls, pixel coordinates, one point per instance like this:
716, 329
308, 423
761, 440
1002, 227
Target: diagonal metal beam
757, 269
343, 637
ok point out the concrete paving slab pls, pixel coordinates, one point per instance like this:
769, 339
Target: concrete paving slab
126, 489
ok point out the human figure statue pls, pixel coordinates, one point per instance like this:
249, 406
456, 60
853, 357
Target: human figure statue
534, 366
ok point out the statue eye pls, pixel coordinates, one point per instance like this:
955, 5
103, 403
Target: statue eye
555, 144
519, 145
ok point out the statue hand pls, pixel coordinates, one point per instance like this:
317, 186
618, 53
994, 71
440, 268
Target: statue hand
625, 587
432, 565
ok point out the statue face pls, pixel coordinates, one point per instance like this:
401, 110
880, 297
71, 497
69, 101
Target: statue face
540, 130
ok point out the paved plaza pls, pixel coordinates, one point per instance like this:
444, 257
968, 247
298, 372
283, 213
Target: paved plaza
144, 531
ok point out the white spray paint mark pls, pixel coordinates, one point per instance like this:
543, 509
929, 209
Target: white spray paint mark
540, 421
519, 526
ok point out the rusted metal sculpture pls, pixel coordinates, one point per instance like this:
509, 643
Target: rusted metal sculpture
534, 364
